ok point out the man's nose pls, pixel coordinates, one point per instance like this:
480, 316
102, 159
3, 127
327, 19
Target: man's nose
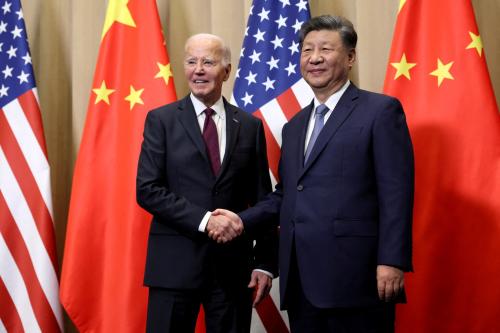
316, 57
199, 69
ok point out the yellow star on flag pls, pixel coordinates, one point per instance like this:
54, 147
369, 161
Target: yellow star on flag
117, 12
134, 97
401, 4
102, 93
442, 71
476, 43
403, 67
165, 72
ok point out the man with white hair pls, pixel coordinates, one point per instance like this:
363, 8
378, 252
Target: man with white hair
200, 153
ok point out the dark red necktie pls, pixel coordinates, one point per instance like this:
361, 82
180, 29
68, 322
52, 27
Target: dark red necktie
211, 140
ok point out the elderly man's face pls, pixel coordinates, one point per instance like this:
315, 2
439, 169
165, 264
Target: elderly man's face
204, 70
325, 62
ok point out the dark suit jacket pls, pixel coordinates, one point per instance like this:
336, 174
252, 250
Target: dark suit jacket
176, 185
349, 208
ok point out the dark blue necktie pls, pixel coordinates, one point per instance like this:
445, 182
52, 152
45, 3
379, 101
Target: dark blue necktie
319, 122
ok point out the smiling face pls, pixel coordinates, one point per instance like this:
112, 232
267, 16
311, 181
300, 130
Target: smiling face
205, 68
325, 62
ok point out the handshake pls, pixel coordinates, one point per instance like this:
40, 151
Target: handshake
224, 225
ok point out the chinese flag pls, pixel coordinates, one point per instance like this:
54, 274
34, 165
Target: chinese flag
437, 68
102, 275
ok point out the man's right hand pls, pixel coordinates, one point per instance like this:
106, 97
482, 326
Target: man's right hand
223, 226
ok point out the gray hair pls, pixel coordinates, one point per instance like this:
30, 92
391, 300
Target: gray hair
335, 23
226, 51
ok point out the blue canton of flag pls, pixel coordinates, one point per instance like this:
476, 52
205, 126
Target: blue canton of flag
16, 71
269, 59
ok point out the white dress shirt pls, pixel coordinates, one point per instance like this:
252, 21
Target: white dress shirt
219, 118
331, 103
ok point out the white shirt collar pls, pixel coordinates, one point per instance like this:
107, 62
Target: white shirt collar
199, 107
332, 101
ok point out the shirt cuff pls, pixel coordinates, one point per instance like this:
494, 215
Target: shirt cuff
204, 222
265, 272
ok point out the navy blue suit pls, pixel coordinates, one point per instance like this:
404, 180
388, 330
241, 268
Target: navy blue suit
349, 208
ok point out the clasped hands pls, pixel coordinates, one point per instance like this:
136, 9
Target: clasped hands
224, 225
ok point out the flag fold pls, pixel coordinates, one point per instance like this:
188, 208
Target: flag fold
437, 68
105, 249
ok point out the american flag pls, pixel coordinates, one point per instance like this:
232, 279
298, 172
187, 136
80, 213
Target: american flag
269, 85
28, 261
268, 81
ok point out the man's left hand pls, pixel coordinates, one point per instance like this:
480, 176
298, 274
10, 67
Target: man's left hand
390, 282
263, 283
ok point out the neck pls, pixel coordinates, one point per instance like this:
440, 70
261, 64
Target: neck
208, 101
322, 94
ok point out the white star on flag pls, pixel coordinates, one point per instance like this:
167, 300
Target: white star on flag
12, 52
269, 84
255, 56
277, 42
259, 36
16, 33
3, 27
23, 77
273, 63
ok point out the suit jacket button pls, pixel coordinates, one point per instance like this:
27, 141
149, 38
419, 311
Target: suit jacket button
300, 187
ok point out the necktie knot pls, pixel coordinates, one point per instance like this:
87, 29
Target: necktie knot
209, 112
321, 110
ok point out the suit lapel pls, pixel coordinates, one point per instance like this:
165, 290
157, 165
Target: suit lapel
232, 131
341, 112
187, 117
306, 115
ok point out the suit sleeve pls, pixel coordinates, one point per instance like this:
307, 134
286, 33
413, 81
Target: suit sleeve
266, 245
266, 211
394, 171
153, 193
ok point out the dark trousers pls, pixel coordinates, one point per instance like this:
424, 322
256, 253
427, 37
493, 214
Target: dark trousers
306, 318
227, 310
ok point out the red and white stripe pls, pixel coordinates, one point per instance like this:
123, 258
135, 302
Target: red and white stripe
28, 260
274, 114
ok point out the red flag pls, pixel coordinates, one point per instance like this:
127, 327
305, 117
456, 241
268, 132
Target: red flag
28, 258
437, 69
103, 267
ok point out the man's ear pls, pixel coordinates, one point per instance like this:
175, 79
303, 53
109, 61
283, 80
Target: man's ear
228, 71
351, 57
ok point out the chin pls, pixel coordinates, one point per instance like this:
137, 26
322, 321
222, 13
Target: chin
316, 85
200, 93
316, 80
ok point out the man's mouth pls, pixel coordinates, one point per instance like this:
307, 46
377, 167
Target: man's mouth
316, 71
